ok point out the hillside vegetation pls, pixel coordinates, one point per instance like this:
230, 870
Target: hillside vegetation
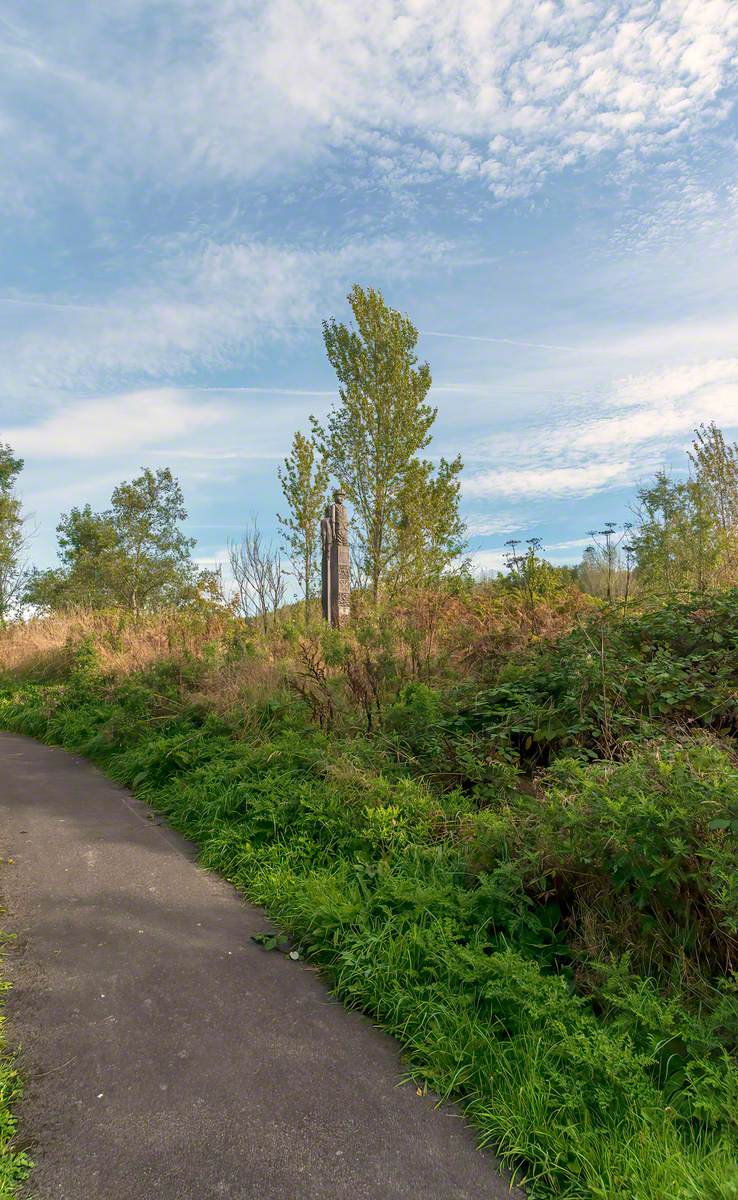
527, 870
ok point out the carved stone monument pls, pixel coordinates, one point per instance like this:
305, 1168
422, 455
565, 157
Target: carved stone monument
336, 566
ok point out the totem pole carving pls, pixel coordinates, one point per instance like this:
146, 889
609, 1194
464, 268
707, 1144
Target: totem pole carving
336, 564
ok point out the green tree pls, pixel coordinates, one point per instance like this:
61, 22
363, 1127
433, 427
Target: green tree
529, 572
430, 533
687, 538
676, 542
378, 429
133, 555
715, 466
13, 569
304, 481
152, 563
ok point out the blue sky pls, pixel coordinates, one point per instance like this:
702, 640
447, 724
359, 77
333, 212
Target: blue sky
548, 187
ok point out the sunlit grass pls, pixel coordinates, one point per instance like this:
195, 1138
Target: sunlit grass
15, 1164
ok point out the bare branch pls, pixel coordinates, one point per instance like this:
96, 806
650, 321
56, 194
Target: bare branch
259, 575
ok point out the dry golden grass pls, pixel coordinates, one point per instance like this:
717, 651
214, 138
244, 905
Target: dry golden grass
433, 634
44, 646
241, 685
481, 627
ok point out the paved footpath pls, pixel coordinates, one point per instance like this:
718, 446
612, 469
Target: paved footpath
166, 1055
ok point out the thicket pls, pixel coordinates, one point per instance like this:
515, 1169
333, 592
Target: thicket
530, 876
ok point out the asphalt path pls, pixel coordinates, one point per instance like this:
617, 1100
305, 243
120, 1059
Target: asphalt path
168, 1056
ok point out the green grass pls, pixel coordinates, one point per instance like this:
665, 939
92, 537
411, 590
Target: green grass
558, 961
15, 1164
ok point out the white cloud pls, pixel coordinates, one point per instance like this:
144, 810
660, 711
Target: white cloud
689, 385
483, 525
573, 544
502, 92
680, 200
487, 560
710, 339
547, 481
629, 432
112, 425
560, 552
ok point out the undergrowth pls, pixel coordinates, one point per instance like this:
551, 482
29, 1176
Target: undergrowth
531, 879
15, 1164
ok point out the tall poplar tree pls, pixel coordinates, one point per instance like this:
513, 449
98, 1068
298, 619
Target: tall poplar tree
430, 533
304, 480
715, 466
375, 434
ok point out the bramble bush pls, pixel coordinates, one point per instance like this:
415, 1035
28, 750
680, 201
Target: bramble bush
608, 684
613, 681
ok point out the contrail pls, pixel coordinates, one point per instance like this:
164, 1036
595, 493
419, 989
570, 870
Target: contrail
269, 391
18, 300
470, 337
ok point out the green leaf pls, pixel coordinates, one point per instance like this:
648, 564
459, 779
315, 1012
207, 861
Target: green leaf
271, 941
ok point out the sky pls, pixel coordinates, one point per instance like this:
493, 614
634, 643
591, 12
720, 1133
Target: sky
549, 188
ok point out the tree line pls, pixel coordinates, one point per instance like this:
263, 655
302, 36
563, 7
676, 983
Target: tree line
406, 527
406, 530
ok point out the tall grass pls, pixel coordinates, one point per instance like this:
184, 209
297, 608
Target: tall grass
45, 647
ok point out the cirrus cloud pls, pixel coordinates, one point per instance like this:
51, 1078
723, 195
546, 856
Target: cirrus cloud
208, 302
